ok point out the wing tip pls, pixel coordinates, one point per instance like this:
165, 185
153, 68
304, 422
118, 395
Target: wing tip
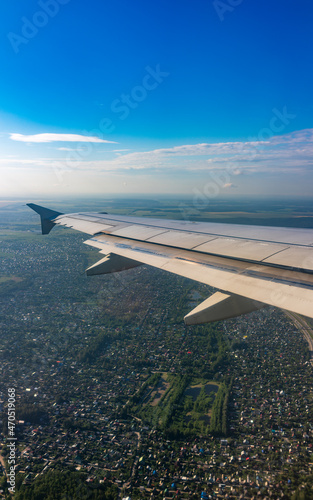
46, 216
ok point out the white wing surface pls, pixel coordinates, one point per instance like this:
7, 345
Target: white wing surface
254, 265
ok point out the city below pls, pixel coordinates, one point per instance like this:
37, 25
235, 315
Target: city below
116, 398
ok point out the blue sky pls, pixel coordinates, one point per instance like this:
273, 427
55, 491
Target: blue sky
149, 97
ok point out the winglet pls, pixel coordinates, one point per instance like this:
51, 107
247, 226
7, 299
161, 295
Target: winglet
46, 217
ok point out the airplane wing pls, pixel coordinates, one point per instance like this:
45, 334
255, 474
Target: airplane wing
253, 265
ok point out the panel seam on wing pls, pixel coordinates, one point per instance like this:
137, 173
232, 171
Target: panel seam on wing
275, 253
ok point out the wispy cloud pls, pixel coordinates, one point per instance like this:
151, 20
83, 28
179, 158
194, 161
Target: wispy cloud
291, 153
57, 138
66, 149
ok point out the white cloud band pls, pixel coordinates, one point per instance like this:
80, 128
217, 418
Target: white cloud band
57, 138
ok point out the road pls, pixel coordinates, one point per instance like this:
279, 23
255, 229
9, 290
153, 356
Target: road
304, 327
3, 464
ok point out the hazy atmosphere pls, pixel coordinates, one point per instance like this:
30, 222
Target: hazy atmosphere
160, 97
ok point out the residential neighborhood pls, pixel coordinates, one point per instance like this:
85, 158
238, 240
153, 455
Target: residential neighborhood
114, 393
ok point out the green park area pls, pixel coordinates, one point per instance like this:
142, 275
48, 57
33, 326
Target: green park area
190, 403
178, 405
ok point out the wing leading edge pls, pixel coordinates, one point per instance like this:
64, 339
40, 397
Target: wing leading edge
254, 265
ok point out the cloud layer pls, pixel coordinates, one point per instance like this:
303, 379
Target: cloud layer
281, 164
286, 153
